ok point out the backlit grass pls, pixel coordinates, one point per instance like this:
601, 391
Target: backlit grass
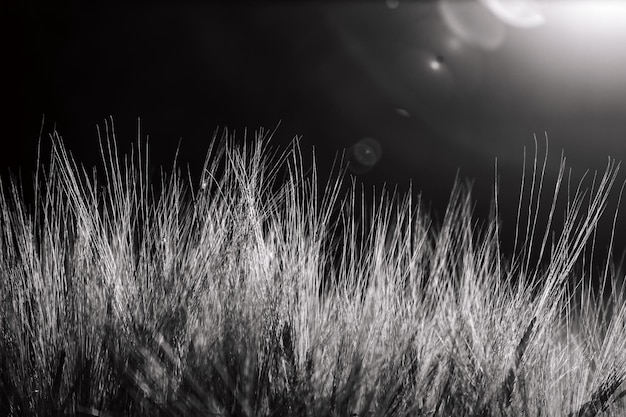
244, 293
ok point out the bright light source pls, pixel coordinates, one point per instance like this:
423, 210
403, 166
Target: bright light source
591, 36
591, 18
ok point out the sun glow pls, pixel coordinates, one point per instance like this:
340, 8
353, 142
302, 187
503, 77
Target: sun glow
588, 19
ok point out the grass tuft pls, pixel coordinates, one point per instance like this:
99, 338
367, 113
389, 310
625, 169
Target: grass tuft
260, 292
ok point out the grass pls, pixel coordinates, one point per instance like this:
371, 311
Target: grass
246, 296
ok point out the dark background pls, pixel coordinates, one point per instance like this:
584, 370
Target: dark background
444, 87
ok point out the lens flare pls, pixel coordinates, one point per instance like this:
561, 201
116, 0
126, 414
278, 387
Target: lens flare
472, 22
392, 4
364, 155
444, 50
427, 75
517, 13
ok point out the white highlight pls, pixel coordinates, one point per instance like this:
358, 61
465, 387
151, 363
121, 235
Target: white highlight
588, 19
516, 13
435, 65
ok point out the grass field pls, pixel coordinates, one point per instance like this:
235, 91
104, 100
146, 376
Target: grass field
256, 291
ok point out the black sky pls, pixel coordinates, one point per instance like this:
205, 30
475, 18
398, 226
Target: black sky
331, 72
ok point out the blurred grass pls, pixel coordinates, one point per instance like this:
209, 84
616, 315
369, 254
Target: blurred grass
241, 296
